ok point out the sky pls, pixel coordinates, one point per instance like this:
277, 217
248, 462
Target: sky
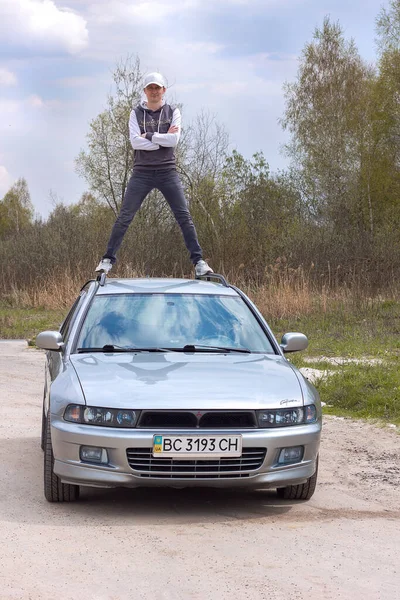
230, 57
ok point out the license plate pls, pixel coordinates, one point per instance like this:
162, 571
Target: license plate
197, 446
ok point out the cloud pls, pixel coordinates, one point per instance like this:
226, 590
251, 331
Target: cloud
6, 180
7, 78
143, 11
230, 88
188, 87
77, 82
8, 107
126, 11
12, 107
204, 47
155, 11
40, 27
24, 114
35, 101
151, 12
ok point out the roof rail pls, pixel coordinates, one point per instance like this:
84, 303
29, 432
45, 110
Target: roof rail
85, 284
101, 278
217, 276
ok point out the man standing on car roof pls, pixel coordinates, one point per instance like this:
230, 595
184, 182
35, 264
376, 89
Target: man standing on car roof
154, 130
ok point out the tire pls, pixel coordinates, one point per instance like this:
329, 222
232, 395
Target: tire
43, 430
54, 489
303, 491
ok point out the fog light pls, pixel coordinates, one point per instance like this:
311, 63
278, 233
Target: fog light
291, 455
93, 454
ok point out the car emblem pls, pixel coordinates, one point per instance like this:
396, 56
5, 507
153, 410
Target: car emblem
199, 414
287, 401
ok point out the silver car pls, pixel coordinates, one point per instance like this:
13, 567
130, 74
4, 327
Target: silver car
175, 382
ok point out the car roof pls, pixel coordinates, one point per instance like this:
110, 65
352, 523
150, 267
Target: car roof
161, 285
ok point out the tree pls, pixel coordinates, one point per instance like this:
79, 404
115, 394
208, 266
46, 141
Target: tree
107, 164
388, 27
327, 113
201, 157
16, 210
387, 118
260, 212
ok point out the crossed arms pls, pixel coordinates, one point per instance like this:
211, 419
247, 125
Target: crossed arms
153, 141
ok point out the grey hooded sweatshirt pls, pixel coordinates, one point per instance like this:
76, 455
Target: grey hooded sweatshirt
156, 150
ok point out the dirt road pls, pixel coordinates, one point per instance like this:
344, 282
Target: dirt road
191, 544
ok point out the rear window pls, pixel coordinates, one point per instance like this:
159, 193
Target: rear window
172, 321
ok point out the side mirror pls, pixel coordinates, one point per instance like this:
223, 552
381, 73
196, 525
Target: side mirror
50, 340
294, 342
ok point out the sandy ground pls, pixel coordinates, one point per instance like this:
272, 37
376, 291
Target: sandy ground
195, 544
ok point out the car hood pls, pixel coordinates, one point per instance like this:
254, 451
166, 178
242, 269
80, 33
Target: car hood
174, 381
191, 381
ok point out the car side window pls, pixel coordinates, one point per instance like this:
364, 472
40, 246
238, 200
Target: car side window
69, 319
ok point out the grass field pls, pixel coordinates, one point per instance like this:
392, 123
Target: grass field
347, 330
363, 391
369, 331
26, 323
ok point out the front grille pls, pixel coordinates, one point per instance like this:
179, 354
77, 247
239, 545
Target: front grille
142, 461
163, 418
210, 419
227, 419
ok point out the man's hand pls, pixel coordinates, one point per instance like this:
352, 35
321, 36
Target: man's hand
172, 129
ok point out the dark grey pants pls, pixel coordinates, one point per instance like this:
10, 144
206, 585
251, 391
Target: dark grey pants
140, 184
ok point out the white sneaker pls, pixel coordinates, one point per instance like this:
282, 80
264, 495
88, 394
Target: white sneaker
202, 268
104, 265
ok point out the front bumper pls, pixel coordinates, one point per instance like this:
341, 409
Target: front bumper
67, 438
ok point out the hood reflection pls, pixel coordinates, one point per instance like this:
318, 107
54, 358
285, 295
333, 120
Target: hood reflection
152, 373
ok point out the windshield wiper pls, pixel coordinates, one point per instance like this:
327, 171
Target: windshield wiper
111, 348
204, 348
187, 348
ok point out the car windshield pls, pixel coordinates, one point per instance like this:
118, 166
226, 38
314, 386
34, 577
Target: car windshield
172, 321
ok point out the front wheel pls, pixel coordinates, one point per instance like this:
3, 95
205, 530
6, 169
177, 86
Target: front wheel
303, 491
43, 436
54, 489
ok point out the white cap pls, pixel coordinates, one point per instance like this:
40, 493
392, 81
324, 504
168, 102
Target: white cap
156, 78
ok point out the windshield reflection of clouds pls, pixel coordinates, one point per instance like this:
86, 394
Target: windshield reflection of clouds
172, 320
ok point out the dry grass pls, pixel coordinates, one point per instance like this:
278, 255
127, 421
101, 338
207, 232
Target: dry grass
289, 292
59, 290
283, 300
52, 293
292, 293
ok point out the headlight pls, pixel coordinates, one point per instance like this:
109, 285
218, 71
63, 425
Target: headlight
284, 417
105, 417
